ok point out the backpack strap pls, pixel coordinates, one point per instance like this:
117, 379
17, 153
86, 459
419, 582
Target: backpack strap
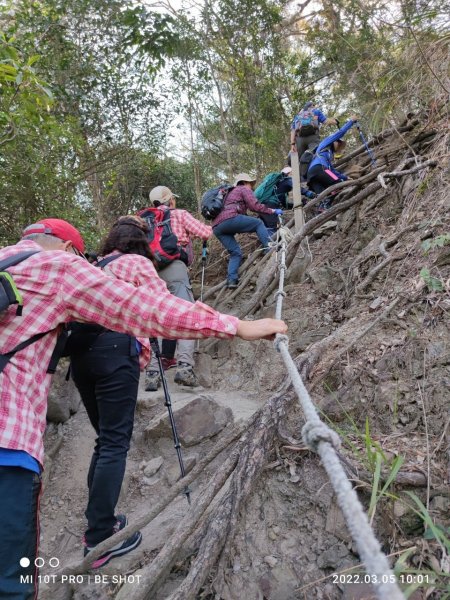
105, 261
5, 358
16, 259
62, 337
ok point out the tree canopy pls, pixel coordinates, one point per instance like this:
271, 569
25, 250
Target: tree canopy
101, 100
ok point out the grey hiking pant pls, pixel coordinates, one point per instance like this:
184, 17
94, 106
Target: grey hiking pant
309, 142
177, 278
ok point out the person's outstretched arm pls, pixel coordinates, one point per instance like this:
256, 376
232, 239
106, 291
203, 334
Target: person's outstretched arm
336, 135
91, 296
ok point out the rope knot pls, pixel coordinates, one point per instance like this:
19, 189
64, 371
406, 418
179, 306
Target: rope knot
280, 339
314, 433
280, 293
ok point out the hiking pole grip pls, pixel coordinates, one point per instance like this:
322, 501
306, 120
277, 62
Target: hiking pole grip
204, 250
155, 348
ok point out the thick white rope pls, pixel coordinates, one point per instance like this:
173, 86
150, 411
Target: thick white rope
322, 439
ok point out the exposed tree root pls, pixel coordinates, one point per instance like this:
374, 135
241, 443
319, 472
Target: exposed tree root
177, 489
161, 565
217, 543
246, 462
269, 277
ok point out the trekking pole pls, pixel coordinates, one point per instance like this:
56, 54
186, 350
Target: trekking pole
155, 348
364, 141
204, 255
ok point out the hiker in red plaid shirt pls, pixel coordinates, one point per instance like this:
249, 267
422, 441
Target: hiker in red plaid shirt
176, 275
58, 285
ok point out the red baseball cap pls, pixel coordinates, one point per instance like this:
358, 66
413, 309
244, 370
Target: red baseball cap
60, 229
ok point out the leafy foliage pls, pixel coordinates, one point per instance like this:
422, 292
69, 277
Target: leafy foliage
433, 283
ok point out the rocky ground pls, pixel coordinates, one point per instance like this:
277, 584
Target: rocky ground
367, 306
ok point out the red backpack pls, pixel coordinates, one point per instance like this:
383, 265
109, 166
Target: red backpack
162, 240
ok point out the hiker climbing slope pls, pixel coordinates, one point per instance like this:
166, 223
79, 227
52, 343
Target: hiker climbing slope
273, 192
105, 367
305, 133
175, 273
321, 173
233, 219
58, 285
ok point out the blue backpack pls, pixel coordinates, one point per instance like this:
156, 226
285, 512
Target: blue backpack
307, 122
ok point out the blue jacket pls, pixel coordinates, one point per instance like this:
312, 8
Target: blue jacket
325, 154
321, 117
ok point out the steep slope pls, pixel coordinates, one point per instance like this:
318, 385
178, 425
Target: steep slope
367, 301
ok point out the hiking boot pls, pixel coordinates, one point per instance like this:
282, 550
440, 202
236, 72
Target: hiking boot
324, 206
121, 548
152, 381
232, 284
168, 363
185, 375
121, 522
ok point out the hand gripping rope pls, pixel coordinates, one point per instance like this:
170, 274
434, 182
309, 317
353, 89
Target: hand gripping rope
323, 440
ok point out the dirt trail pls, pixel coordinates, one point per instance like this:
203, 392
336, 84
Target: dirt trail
64, 501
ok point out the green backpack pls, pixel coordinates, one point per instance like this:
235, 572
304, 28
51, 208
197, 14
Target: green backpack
266, 190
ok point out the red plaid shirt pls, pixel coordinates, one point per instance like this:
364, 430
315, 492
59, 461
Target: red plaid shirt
58, 287
185, 226
136, 272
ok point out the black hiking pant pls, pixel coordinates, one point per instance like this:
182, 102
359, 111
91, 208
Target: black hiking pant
168, 348
320, 179
306, 143
107, 377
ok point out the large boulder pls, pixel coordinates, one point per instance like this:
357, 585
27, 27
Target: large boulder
198, 419
63, 399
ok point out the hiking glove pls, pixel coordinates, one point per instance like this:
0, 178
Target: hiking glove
310, 194
278, 212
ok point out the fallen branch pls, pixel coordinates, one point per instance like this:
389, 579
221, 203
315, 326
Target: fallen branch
396, 174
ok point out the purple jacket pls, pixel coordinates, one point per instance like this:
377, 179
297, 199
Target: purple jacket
238, 201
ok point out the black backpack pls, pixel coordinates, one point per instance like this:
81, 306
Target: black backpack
80, 336
213, 201
10, 295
